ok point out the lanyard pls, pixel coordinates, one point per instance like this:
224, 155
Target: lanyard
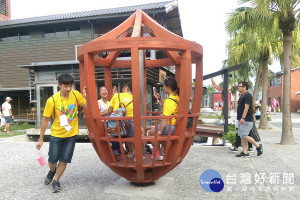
62, 103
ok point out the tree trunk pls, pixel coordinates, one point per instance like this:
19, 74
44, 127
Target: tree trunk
287, 136
263, 124
255, 91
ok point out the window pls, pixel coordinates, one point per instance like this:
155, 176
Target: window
75, 30
13, 36
275, 81
278, 81
3, 7
49, 33
24, 36
60, 32
3, 38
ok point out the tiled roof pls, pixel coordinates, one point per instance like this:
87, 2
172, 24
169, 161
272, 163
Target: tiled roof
84, 14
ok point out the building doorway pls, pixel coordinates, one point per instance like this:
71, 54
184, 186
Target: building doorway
43, 93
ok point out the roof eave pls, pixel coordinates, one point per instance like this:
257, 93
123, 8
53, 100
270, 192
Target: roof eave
114, 15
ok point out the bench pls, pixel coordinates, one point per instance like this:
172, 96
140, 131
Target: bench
31, 113
204, 130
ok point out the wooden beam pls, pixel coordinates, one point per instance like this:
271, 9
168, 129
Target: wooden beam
101, 61
158, 29
174, 57
137, 111
108, 81
116, 32
137, 27
113, 55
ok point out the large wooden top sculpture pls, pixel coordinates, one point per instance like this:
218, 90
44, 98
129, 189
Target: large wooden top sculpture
137, 34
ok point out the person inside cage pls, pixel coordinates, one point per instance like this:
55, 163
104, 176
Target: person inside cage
170, 107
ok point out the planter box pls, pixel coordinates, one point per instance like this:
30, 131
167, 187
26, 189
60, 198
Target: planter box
209, 121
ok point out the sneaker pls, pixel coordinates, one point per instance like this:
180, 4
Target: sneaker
116, 153
250, 150
49, 177
130, 155
233, 149
242, 154
148, 149
159, 158
259, 150
56, 186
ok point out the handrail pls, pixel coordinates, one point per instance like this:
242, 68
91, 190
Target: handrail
144, 117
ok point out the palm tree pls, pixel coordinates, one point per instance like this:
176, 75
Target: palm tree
236, 76
210, 89
257, 42
285, 14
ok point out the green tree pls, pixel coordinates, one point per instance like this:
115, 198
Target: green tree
255, 43
286, 14
236, 76
210, 89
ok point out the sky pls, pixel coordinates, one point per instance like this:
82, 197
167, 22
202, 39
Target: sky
202, 21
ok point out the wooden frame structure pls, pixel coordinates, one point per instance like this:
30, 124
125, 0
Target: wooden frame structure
137, 34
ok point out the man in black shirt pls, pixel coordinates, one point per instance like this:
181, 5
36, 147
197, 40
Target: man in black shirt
245, 120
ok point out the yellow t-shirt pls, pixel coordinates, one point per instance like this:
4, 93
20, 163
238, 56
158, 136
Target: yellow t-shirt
125, 99
67, 106
170, 107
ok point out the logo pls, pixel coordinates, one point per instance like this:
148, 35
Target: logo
211, 181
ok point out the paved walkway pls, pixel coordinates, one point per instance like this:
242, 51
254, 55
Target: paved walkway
274, 175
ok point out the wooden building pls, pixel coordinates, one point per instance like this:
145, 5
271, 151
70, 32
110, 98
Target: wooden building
34, 51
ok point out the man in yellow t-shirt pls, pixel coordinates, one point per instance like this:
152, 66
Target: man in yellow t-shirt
63, 108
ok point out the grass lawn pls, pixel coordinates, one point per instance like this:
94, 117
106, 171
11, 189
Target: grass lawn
209, 116
20, 127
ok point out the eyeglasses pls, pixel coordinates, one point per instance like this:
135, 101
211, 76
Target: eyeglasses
240, 86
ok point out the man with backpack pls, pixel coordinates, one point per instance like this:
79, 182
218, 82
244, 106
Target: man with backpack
63, 108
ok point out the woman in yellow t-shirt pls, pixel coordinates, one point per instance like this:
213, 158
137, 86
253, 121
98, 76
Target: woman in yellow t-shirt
170, 107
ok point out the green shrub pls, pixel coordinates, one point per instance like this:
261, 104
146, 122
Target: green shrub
230, 136
231, 127
209, 116
269, 118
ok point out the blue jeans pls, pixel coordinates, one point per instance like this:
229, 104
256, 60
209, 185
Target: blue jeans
8, 119
166, 129
131, 130
61, 149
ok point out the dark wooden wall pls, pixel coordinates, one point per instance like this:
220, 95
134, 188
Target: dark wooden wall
39, 49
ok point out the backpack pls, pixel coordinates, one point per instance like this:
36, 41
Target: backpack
190, 119
124, 125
